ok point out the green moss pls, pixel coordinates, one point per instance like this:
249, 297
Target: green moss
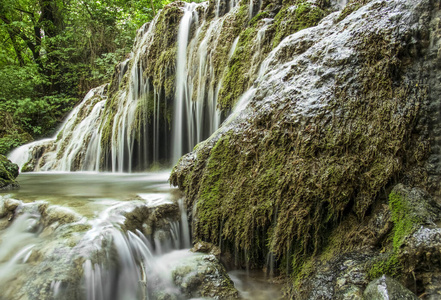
208, 205
241, 67
295, 18
404, 221
407, 218
64, 144
286, 181
232, 26
8, 173
387, 264
237, 78
161, 60
27, 167
261, 15
243, 13
164, 71
107, 125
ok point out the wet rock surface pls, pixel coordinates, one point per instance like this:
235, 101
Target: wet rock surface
385, 288
301, 166
202, 275
8, 173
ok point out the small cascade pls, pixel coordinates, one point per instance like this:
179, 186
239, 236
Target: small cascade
185, 234
197, 87
134, 267
66, 150
253, 8
16, 245
140, 273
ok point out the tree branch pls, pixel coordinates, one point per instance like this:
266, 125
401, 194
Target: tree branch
24, 11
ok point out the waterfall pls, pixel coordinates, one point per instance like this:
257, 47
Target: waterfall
124, 126
184, 29
197, 88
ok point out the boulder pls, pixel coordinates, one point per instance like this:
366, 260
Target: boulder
387, 288
203, 276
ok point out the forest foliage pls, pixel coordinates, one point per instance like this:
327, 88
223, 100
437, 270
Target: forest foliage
53, 51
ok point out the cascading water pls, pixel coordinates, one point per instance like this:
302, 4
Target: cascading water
137, 126
137, 269
100, 247
197, 89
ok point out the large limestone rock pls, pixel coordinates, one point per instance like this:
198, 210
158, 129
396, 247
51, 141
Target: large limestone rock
339, 114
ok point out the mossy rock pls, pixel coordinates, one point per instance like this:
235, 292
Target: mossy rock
410, 209
8, 173
295, 18
281, 179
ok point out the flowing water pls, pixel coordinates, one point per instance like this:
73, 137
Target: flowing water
90, 235
96, 236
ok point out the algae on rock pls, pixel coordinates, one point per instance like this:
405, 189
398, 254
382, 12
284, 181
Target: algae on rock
8, 173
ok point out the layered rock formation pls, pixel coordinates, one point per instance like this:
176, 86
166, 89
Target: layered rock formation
340, 113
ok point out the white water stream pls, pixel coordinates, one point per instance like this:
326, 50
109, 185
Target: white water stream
96, 236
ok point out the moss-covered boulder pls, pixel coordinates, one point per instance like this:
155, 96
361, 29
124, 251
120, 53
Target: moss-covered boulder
8, 173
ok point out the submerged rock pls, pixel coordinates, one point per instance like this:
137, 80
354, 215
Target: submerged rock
8, 173
386, 288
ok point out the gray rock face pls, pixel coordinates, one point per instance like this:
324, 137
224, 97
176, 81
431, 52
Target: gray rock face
339, 112
420, 255
421, 206
386, 288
